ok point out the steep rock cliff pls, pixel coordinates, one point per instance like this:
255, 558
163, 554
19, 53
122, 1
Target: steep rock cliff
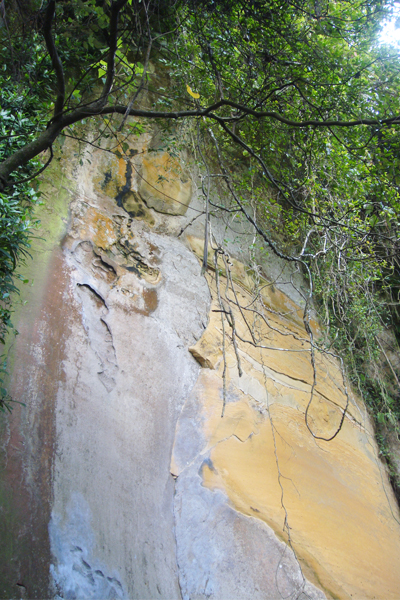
160, 452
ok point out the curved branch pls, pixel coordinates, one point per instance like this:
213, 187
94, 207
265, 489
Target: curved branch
46, 138
208, 112
43, 168
22, 156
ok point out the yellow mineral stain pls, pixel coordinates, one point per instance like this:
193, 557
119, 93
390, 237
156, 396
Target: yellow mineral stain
99, 229
340, 521
121, 169
162, 171
343, 518
163, 185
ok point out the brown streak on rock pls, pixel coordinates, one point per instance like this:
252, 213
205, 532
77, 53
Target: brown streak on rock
150, 299
37, 372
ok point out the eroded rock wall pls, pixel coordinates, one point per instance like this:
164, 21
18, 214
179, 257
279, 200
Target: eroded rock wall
121, 477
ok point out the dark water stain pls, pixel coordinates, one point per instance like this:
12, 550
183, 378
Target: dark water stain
133, 269
127, 186
26, 478
130, 200
107, 179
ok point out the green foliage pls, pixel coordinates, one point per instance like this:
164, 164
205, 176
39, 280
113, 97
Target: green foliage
16, 220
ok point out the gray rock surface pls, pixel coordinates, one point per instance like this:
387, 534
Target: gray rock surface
104, 372
225, 555
126, 376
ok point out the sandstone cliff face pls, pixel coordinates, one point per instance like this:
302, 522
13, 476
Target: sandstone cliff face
120, 476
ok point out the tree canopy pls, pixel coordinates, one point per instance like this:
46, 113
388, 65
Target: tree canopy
295, 106
306, 66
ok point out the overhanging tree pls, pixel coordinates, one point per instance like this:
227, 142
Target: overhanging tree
298, 106
270, 61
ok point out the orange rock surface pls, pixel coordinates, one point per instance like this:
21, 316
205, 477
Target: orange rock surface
332, 497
